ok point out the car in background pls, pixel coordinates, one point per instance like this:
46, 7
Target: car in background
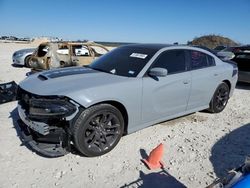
52, 55
22, 57
228, 53
241, 56
219, 48
125, 90
242, 59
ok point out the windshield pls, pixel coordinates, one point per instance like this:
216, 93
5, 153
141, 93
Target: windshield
124, 61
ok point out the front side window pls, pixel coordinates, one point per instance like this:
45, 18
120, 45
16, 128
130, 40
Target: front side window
172, 60
200, 60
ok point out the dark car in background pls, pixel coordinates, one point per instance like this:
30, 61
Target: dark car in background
242, 58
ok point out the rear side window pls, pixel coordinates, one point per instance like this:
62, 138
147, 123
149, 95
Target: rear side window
211, 61
172, 60
200, 60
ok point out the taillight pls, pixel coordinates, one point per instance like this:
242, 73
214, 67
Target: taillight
235, 71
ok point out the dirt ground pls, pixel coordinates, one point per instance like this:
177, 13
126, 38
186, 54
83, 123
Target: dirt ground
197, 148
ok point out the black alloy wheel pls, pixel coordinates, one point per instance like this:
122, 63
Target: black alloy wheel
98, 129
220, 98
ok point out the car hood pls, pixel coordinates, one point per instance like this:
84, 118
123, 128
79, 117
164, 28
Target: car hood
65, 81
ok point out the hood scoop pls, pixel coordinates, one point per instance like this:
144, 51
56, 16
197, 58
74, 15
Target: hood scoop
64, 72
42, 77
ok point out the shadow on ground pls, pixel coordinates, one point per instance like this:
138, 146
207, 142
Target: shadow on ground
17, 66
160, 179
231, 150
242, 85
14, 115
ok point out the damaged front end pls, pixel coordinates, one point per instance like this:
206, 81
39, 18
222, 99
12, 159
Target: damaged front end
45, 122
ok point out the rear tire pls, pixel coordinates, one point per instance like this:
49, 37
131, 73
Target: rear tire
98, 129
220, 99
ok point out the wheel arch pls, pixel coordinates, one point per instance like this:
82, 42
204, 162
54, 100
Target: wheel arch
121, 108
27, 57
228, 83
223, 81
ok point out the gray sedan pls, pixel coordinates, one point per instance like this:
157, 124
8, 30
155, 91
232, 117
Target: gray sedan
21, 57
128, 89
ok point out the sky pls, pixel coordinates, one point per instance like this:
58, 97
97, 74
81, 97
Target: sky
148, 21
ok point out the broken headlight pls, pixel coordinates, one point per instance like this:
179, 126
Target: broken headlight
50, 108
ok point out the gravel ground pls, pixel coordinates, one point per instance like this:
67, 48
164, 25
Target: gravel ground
197, 148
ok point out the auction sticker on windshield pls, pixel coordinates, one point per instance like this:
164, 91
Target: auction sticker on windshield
137, 55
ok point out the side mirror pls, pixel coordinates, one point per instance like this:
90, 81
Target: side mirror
158, 72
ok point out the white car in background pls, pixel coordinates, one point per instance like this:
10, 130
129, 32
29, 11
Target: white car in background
21, 57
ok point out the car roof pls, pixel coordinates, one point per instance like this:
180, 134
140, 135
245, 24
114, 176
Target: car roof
157, 47
149, 46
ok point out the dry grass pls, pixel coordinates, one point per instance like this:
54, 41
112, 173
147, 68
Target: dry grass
211, 41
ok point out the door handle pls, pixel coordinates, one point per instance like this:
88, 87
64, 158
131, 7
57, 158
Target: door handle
216, 74
185, 82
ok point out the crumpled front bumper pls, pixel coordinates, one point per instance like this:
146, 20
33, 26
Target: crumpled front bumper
48, 141
45, 146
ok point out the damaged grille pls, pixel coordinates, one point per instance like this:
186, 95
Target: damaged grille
48, 109
23, 98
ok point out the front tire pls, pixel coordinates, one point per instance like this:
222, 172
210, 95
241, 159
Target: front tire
27, 61
98, 129
220, 98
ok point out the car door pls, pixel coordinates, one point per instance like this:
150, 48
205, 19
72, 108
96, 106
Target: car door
204, 79
166, 96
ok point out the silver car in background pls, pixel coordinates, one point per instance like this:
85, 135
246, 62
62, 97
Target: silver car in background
21, 57
123, 91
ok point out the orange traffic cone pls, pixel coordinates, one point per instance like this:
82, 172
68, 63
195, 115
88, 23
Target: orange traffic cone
154, 159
